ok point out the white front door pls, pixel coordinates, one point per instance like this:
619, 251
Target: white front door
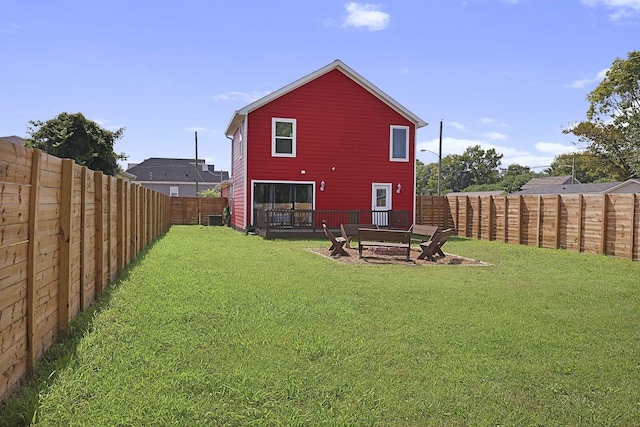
380, 204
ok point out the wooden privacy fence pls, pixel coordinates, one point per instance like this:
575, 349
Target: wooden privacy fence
185, 210
65, 233
606, 224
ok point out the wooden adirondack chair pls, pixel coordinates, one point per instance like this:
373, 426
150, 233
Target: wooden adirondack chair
434, 245
337, 243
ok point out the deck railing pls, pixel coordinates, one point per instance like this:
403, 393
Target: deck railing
312, 219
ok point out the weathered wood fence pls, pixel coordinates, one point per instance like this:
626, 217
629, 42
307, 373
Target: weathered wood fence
185, 210
606, 224
65, 233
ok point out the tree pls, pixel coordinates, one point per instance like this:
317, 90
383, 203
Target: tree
473, 167
515, 176
74, 137
426, 178
586, 166
612, 129
210, 192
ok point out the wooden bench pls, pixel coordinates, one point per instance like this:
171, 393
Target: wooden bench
434, 245
368, 237
422, 233
337, 243
350, 231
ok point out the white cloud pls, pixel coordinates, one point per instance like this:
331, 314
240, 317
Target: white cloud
495, 136
9, 27
366, 16
620, 8
512, 1
542, 157
579, 84
240, 96
554, 148
487, 120
456, 125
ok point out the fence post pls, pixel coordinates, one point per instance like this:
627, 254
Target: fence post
84, 244
32, 257
556, 243
479, 232
66, 213
506, 218
603, 225
539, 238
632, 236
120, 225
520, 219
579, 219
99, 225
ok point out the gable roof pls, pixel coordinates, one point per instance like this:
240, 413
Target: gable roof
593, 187
549, 180
476, 193
240, 114
157, 169
14, 139
633, 185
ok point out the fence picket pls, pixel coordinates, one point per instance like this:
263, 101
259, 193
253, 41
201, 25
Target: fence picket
57, 249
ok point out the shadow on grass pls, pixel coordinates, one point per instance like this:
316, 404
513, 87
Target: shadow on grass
20, 408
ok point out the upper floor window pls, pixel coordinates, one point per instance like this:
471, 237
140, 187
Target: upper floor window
173, 191
283, 141
399, 144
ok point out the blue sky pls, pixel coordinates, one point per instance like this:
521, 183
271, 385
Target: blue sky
505, 74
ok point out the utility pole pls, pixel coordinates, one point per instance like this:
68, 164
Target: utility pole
195, 165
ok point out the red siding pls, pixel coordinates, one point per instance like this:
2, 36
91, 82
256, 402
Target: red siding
342, 138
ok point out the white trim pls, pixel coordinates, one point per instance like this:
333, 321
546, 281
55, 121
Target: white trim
622, 185
275, 120
275, 181
246, 176
389, 193
335, 65
406, 143
374, 198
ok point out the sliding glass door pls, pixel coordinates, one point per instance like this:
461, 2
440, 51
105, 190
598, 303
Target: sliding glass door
284, 197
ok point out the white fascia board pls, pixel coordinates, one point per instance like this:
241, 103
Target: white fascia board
339, 65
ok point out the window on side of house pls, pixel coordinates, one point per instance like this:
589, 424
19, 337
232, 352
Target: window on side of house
399, 144
283, 141
173, 191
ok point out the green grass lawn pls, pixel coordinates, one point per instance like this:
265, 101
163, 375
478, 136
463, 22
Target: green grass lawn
212, 327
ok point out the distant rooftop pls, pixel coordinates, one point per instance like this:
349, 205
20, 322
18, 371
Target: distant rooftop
14, 139
549, 180
157, 169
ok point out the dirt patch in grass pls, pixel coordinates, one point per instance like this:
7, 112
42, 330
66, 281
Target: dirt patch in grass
369, 258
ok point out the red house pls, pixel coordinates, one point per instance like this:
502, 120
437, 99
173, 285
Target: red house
329, 142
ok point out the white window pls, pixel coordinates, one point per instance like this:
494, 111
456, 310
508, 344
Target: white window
399, 144
283, 141
173, 191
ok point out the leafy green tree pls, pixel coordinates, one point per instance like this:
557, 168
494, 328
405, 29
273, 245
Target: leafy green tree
515, 176
588, 167
75, 137
473, 167
612, 128
426, 178
210, 192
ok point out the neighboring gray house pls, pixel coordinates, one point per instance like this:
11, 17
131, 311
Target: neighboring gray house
176, 177
549, 181
14, 139
628, 186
